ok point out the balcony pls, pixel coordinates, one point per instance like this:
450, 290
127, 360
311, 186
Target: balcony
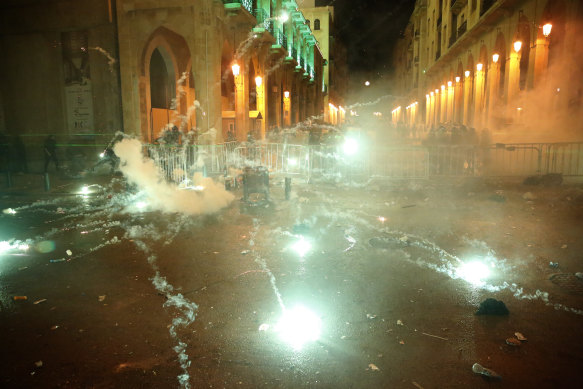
486, 5
247, 4
457, 5
452, 40
462, 29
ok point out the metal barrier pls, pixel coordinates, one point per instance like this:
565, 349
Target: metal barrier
179, 163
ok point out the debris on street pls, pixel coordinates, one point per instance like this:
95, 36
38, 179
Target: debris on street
492, 306
479, 369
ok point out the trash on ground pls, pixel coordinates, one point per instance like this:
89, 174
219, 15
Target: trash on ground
519, 336
513, 342
399, 322
479, 369
101, 298
54, 327
564, 246
245, 252
369, 316
579, 275
416, 385
38, 363
264, 327
57, 260
69, 252
373, 367
401, 341
39, 301
20, 298
529, 196
554, 265
492, 306
434, 336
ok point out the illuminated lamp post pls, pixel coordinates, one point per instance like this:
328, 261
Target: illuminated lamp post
547, 29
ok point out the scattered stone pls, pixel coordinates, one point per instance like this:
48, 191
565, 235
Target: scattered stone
492, 306
519, 336
479, 369
551, 179
513, 342
373, 367
529, 196
399, 322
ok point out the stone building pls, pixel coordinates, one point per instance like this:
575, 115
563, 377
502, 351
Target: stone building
93, 67
510, 66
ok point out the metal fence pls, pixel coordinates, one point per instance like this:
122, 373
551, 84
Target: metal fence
179, 163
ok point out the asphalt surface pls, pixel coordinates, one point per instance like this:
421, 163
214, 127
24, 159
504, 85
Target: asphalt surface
145, 299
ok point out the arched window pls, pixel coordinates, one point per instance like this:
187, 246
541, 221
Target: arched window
317, 24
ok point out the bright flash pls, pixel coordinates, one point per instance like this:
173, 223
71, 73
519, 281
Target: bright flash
198, 188
474, 272
299, 326
350, 147
382, 219
4, 246
141, 204
85, 190
302, 246
292, 161
9, 211
101, 155
284, 17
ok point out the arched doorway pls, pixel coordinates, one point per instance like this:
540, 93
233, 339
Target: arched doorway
162, 91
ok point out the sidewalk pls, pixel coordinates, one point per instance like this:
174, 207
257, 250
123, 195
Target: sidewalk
33, 184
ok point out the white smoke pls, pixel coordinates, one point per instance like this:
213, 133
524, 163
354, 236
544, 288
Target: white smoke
164, 196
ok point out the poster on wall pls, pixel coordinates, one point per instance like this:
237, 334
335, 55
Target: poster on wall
77, 79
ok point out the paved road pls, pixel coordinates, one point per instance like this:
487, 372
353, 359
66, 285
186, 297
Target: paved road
153, 300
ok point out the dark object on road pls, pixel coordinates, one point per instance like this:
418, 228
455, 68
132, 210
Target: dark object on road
484, 371
551, 179
497, 198
492, 306
255, 180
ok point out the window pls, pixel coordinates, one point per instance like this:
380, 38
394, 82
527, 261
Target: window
317, 24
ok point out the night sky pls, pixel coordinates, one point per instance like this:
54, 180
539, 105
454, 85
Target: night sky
370, 29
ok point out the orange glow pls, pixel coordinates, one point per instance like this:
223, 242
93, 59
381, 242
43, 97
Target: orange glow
426, 96
495, 58
517, 46
443, 87
449, 83
457, 79
236, 69
431, 93
258, 80
547, 29
286, 95
436, 91
467, 73
479, 67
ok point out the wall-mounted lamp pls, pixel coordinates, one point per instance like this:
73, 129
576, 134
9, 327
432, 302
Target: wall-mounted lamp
467, 73
235, 69
479, 67
457, 79
286, 94
431, 93
427, 96
258, 81
436, 91
443, 87
547, 29
495, 57
517, 46
449, 83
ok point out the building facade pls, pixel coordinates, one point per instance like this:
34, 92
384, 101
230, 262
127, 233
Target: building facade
510, 67
224, 67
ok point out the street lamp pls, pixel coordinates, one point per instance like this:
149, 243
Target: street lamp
457, 79
479, 67
547, 29
235, 69
258, 81
517, 46
367, 83
495, 57
286, 94
467, 73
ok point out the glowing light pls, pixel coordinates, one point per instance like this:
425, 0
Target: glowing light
236, 69
198, 188
443, 87
84, 190
519, 109
4, 246
286, 94
350, 146
382, 219
23, 247
474, 272
431, 93
101, 155
457, 79
517, 46
367, 83
258, 80
467, 73
449, 83
284, 17
292, 161
141, 204
427, 96
547, 29
299, 326
558, 90
495, 57
436, 91
9, 211
479, 67
302, 246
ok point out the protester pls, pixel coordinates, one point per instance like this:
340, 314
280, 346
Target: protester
50, 152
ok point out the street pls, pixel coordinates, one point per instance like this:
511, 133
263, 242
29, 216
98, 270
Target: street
370, 281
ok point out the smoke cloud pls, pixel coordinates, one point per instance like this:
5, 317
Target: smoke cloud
164, 196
